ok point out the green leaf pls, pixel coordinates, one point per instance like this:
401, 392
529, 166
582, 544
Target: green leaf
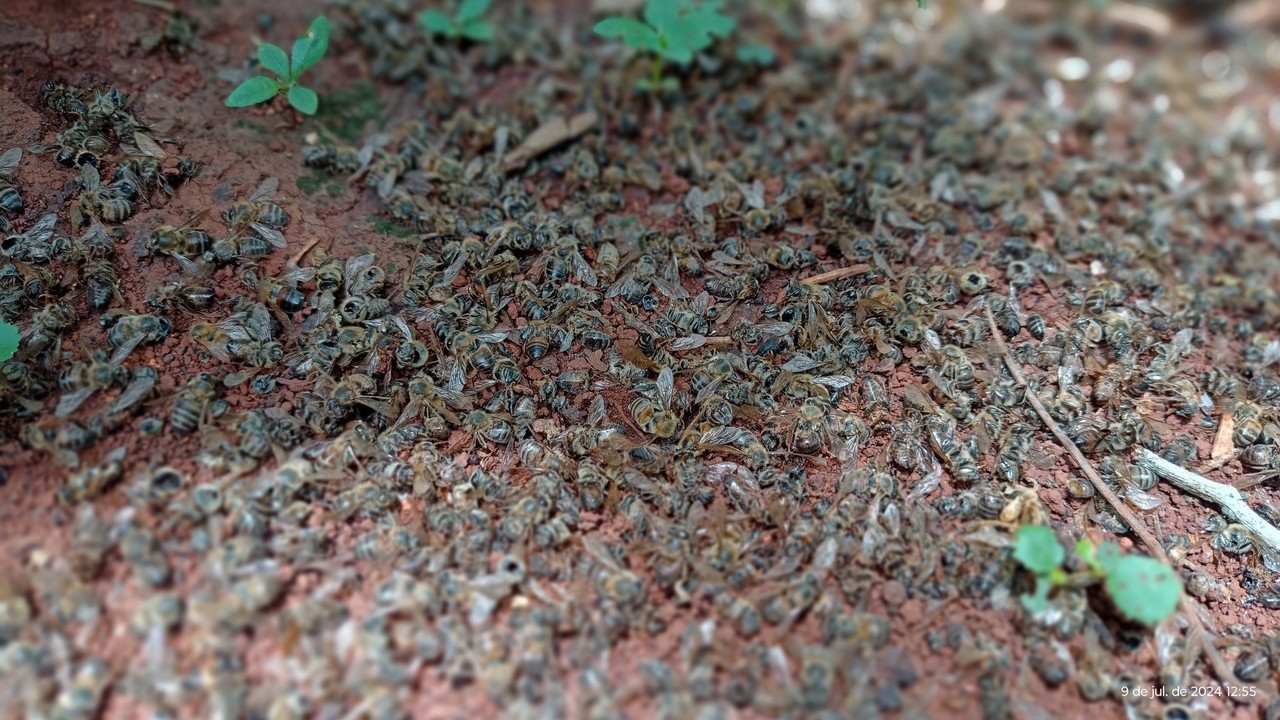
472, 10
274, 59
436, 22
301, 48
1143, 589
303, 99
1040, 600
9, 338
753, 53
477, 31
318, 42
631, 31
253, 91
1037, 549
1109, 554
691, 27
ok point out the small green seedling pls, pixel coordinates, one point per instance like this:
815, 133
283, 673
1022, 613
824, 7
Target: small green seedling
9, 337
467, 24
672, 30
307, 51
1142, 588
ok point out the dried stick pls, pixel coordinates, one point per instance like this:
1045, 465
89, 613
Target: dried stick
1196, 630
836, 274
1226, 496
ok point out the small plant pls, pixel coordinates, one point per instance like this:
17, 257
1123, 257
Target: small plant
672, 30
307, 51
1142, 588
468, 23
9, 337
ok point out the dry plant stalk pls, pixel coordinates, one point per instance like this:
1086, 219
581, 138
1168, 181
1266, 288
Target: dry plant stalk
1225, 496
1196, 630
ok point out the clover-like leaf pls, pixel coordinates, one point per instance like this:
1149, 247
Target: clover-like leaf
303, 99
471, 10
630, 31
436, 22
1039, 601
1143, 589
1107, 556
274, 59
755, 53
253, 91
317, 42
478, 31
1037, 549
9, 338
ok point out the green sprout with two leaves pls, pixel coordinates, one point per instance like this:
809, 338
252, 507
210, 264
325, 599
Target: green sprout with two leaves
9, 337
1142, 588
673, 30
307, 51
467, 24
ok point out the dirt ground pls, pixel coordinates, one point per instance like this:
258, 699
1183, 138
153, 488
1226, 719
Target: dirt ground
445, 555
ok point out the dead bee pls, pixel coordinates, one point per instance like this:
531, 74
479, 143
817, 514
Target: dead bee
181, 296
261, 213
10, 199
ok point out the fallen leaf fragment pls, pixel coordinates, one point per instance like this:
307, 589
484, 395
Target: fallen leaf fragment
548, 135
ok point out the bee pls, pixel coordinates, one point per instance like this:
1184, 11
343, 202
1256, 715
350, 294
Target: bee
48, 323
82, 379
810, 430
1035, 326
102, 284
94, 480
32, 246
90, 542
10, 199
104, 203
1104, 295
146, 559
1248, 417
261, 213
337, 158
181, 295
184, 244
192, 404
83, 695
971, 282
126, 332
143, 167
65, 100
280, 291
653, 413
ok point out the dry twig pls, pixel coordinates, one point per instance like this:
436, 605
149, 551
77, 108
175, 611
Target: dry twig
1196, 630
1225, 496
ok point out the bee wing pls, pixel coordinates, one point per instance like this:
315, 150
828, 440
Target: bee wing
149, 147
96, 234
457, 378
598, 413
354, 268
689, 343
216, 350
89, 177
259, 323
265, 190
450, 273
123, 351
622, 285
135, 392
68, 403
701, 303
43, 229
9, 161
270, 234
191, 267
492, 337
298, 275
709, 389
582, 269
386, 184
666, 386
